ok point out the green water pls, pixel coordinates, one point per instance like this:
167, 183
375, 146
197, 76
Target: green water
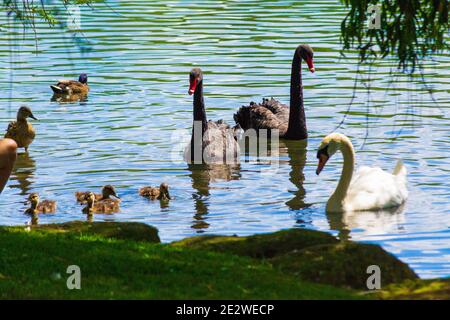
133, 128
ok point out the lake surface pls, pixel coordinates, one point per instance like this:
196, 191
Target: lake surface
133, 127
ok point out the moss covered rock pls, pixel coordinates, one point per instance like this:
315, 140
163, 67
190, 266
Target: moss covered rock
311, 255
117, 230
261, 245
435, 289
343, 264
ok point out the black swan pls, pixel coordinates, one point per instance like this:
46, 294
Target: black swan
211, 142
272, 114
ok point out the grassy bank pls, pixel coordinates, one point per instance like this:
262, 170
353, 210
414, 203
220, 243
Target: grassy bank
126, 261
33, 265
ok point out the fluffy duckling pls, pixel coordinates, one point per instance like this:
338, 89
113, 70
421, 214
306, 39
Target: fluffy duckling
100, 206
107, 206
107, 191
37, 206
21, 131
69, 87
90, 200
161, 193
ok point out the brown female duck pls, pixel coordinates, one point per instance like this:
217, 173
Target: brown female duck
38, 206
20, 130
160, 193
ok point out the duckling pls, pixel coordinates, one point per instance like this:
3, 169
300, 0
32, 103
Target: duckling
161, 193
37, 206
90, 200
21, 131
107, 191
107, 206
100, 206
72, 86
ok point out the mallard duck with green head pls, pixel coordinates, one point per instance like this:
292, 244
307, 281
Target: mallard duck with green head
40, 206
69, 87
21, 131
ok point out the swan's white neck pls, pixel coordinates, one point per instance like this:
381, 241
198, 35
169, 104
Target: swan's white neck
336, 201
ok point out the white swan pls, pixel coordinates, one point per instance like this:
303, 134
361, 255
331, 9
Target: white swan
370, 188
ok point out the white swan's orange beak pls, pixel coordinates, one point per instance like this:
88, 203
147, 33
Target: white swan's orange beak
192, 86
310, 64
322, 162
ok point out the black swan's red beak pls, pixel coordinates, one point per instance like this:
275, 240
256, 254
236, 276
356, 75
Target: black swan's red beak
192, 86
310, 64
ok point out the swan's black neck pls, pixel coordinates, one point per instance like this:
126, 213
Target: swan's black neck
199, 119
297, 121
199, 106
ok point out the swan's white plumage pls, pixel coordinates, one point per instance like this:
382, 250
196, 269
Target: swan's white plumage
373, 188
367, 188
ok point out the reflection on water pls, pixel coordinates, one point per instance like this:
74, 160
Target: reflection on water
138, 55
23, 173
296, 151
164, 204
203, 175
369, 222
65, 98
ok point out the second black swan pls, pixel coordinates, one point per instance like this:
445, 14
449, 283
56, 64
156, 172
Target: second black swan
272, 114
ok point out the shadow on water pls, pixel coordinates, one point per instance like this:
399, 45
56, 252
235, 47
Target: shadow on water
23, 173
202, 176
371, 222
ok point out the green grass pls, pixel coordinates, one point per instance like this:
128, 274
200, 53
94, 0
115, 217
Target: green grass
33, 265
434, 289
126, 261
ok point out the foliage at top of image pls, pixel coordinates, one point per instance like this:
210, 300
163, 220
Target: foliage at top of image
410, 30
27, 11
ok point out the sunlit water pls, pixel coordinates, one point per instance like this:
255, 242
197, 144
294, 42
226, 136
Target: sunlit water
134, 125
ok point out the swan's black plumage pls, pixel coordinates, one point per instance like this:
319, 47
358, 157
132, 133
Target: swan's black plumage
219, 143
272, 114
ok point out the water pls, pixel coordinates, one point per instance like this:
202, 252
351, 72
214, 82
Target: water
138, 116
